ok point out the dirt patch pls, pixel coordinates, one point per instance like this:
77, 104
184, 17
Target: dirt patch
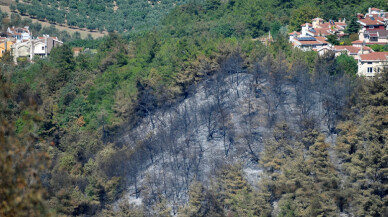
4, 6
6, 2
115, 7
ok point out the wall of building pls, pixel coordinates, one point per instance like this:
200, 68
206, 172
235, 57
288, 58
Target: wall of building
39, 48
377, 66
23, 51
5, 46
375, 27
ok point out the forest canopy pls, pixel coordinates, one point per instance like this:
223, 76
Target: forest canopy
191, 117
227, 17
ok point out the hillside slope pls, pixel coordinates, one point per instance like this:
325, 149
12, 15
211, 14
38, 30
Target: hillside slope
83, 32
230, 118
197, 119
101, 15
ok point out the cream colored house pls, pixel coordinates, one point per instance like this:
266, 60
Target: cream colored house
22, 49
353, 51
323, 50
372, 63
41, 46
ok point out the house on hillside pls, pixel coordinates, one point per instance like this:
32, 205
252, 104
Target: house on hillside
379, 36
320, 28
313, 35
323, 50
316, 22
77, 51
358, 43
41, 46
48, 42
352, 51
372, 22
19, 34
309, 43
21, 49
374, 26
5, 45
372, 63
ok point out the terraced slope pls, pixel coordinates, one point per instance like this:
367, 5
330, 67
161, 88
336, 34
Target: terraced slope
101, 15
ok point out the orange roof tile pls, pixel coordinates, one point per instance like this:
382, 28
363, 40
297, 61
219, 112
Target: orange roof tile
309, 42
322, 31
294, 32
357, 42
78, 49
369, 22
375, 56
321, 39
340, 23
352, 49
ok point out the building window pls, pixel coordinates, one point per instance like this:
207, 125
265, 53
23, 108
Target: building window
371, 27
370, 69
369, 62
42, 47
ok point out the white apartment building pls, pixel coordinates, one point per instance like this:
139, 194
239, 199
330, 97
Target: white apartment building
372, 63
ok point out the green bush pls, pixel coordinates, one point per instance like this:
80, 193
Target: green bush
66, 162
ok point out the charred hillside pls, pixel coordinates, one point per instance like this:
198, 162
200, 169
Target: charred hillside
276, 129
193, 115
231, 117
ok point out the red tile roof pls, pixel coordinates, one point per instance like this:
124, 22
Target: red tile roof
294, 32
376, 56
329, 26
321, 39
340, 23
325, 25
375, 9
308, 42
78, 49
352, 49
357, 42
367, 21
54, 38
322, 31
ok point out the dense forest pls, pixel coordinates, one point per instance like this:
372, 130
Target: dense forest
192, 117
